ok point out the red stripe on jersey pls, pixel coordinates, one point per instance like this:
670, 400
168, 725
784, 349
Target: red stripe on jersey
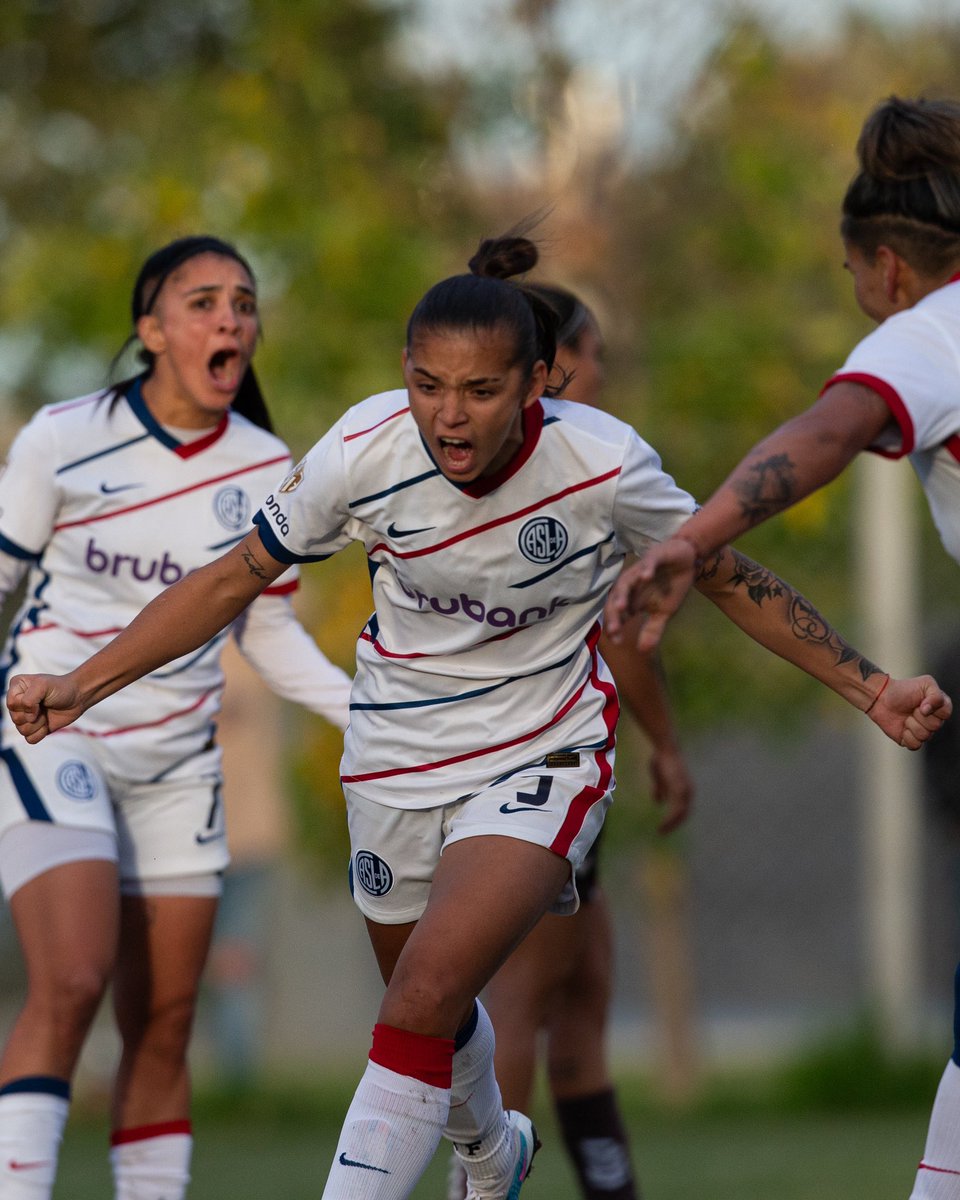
77, 403
282, 589
348, 437
75, 632
122, 512
891, 397
140, 1133
561, 712
952, 444
514, 516
182, 712
189, 449
923, 1166
581, 804
385, 653
416, 1055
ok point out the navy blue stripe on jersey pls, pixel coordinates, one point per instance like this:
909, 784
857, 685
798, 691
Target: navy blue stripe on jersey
201, 653
79, 462
563, 562
397, 487
275, 548
15, 550
29, 796
471, 695
229, 542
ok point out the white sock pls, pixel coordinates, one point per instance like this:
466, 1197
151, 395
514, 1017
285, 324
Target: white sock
938, 1177
152, 1162
477, 1124
390, 1134
31, 1129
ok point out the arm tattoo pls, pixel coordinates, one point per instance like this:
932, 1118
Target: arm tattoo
769, 488
253, 566
806, 622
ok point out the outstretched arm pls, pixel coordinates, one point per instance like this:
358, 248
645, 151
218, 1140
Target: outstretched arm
179, 620
909, 711
797, 459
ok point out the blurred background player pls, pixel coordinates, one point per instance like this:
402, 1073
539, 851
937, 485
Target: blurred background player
897, 394
558, 981
112, 839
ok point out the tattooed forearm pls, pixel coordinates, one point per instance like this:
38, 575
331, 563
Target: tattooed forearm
768, 488
253, 566
806, 623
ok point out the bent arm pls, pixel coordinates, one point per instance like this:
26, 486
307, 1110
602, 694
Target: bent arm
182, 618
797, 459
800, 457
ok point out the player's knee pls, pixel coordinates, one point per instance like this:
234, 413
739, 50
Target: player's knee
430, 1002
70, 998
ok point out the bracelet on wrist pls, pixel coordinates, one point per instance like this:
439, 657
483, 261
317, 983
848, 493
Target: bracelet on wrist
883, 688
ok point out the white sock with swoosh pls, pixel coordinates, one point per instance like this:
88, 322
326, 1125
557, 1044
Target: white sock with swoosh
31, 1128
390, 1134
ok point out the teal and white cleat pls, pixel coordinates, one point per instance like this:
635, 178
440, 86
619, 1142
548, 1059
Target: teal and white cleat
527, 1144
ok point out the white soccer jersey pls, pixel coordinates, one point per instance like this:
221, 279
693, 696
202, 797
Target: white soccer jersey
108, 508
912, 360
480, 658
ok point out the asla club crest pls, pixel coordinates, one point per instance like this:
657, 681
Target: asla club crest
543, 540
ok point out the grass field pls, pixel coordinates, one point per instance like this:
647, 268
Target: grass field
281, 1147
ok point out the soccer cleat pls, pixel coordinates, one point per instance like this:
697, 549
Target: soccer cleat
528, 1144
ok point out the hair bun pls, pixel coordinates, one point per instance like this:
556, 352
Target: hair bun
504, 257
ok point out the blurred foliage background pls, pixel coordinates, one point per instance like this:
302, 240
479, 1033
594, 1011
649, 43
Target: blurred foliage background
355, 158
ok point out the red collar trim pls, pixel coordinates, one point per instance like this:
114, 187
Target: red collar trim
532, 425
189, 449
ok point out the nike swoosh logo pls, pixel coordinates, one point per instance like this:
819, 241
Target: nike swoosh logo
25, 1166
107, 490
511, 808
394, 532
349, 1162
203, 838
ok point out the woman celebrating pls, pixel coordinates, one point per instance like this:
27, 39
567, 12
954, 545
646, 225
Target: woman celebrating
898, 394
479, 759
559, 979
112, 840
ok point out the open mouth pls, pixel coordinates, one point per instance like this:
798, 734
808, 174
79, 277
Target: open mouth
457, 453
226, 369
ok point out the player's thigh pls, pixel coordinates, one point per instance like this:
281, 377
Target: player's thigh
164, 943
487, 893
67, 920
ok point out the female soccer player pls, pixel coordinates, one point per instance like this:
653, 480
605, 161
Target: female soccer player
111, 834
482, 715
559, 978
898, 394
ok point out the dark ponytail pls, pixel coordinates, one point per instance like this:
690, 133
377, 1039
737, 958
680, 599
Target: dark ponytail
489, 298
906, 193
249, 401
